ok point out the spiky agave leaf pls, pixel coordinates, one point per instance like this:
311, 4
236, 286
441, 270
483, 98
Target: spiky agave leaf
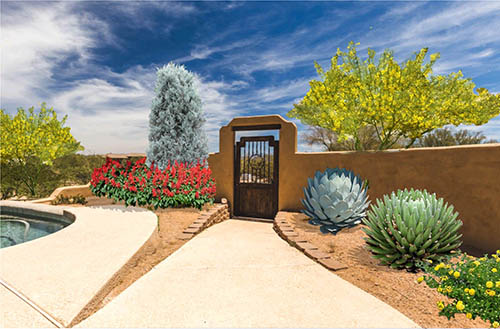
335, 199
408, 227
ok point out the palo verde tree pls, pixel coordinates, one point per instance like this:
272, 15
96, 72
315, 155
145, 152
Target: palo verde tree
30, 144
176, 119
398, 101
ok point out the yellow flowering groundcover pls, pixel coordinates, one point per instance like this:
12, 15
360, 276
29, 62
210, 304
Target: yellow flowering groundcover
473, 284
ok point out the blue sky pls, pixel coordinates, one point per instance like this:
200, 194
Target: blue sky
96, 61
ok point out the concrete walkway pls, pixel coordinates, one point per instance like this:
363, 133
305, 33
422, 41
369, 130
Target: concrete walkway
241, 274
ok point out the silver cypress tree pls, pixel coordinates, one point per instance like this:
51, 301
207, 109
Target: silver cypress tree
176, 119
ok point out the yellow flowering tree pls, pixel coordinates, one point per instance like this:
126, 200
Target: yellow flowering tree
399, 102
31, 142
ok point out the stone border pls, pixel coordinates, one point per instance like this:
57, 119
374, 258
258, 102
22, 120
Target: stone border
38, 211
208, 218
287, 233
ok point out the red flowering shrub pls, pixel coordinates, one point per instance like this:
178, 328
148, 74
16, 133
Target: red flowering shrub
178, 185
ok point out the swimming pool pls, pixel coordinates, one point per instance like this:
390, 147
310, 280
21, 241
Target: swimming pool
16, 229
21, 222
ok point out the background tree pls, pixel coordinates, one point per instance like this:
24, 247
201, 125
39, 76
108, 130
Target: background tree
176, 119
30, 144
76, 169
449, 137
397, 101
328, 139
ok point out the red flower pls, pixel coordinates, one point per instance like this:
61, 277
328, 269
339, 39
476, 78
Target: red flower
197, 195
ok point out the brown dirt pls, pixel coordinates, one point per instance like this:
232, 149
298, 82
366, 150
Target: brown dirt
162, 243
397, 288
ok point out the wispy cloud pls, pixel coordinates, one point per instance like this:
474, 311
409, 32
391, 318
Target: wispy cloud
454, 29
140, 13
204, 51
401, 9
36, 38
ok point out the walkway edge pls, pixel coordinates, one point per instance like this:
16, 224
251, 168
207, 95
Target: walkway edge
31, 304
287, 233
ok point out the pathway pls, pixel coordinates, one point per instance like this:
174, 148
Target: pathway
241, 274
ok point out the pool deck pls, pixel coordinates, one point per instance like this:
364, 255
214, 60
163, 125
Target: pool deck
61, 272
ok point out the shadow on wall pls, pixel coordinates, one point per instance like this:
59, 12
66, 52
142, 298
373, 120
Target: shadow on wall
465, 176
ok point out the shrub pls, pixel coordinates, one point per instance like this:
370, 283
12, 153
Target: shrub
76, 169
176, 119
61, 199
409, 226
335, 199
178, 185
473, 284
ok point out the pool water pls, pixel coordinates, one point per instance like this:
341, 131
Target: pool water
15, 230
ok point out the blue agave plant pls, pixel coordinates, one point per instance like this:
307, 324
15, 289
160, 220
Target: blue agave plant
335, 199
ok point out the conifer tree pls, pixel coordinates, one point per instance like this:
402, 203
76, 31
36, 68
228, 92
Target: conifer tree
176, 119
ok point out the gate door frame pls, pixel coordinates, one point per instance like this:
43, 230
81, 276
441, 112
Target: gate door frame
267, 189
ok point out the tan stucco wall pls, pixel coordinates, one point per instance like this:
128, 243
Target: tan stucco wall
468, 177
66, 191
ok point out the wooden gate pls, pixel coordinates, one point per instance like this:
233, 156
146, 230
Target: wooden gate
256, 177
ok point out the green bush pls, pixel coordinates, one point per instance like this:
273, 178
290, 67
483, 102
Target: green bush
473, 284
76, 169
16, 182
77, 199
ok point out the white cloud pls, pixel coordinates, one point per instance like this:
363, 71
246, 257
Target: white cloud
108, 112
115, 117
35, 39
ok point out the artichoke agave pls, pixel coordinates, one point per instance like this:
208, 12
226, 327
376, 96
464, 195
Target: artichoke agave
409, 227
335, 199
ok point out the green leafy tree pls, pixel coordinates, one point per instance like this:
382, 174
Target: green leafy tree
449, 137
30, 144
76, 169
176, 119
398, 101
329, 140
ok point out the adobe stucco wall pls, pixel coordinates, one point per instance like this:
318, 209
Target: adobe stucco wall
468, 177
